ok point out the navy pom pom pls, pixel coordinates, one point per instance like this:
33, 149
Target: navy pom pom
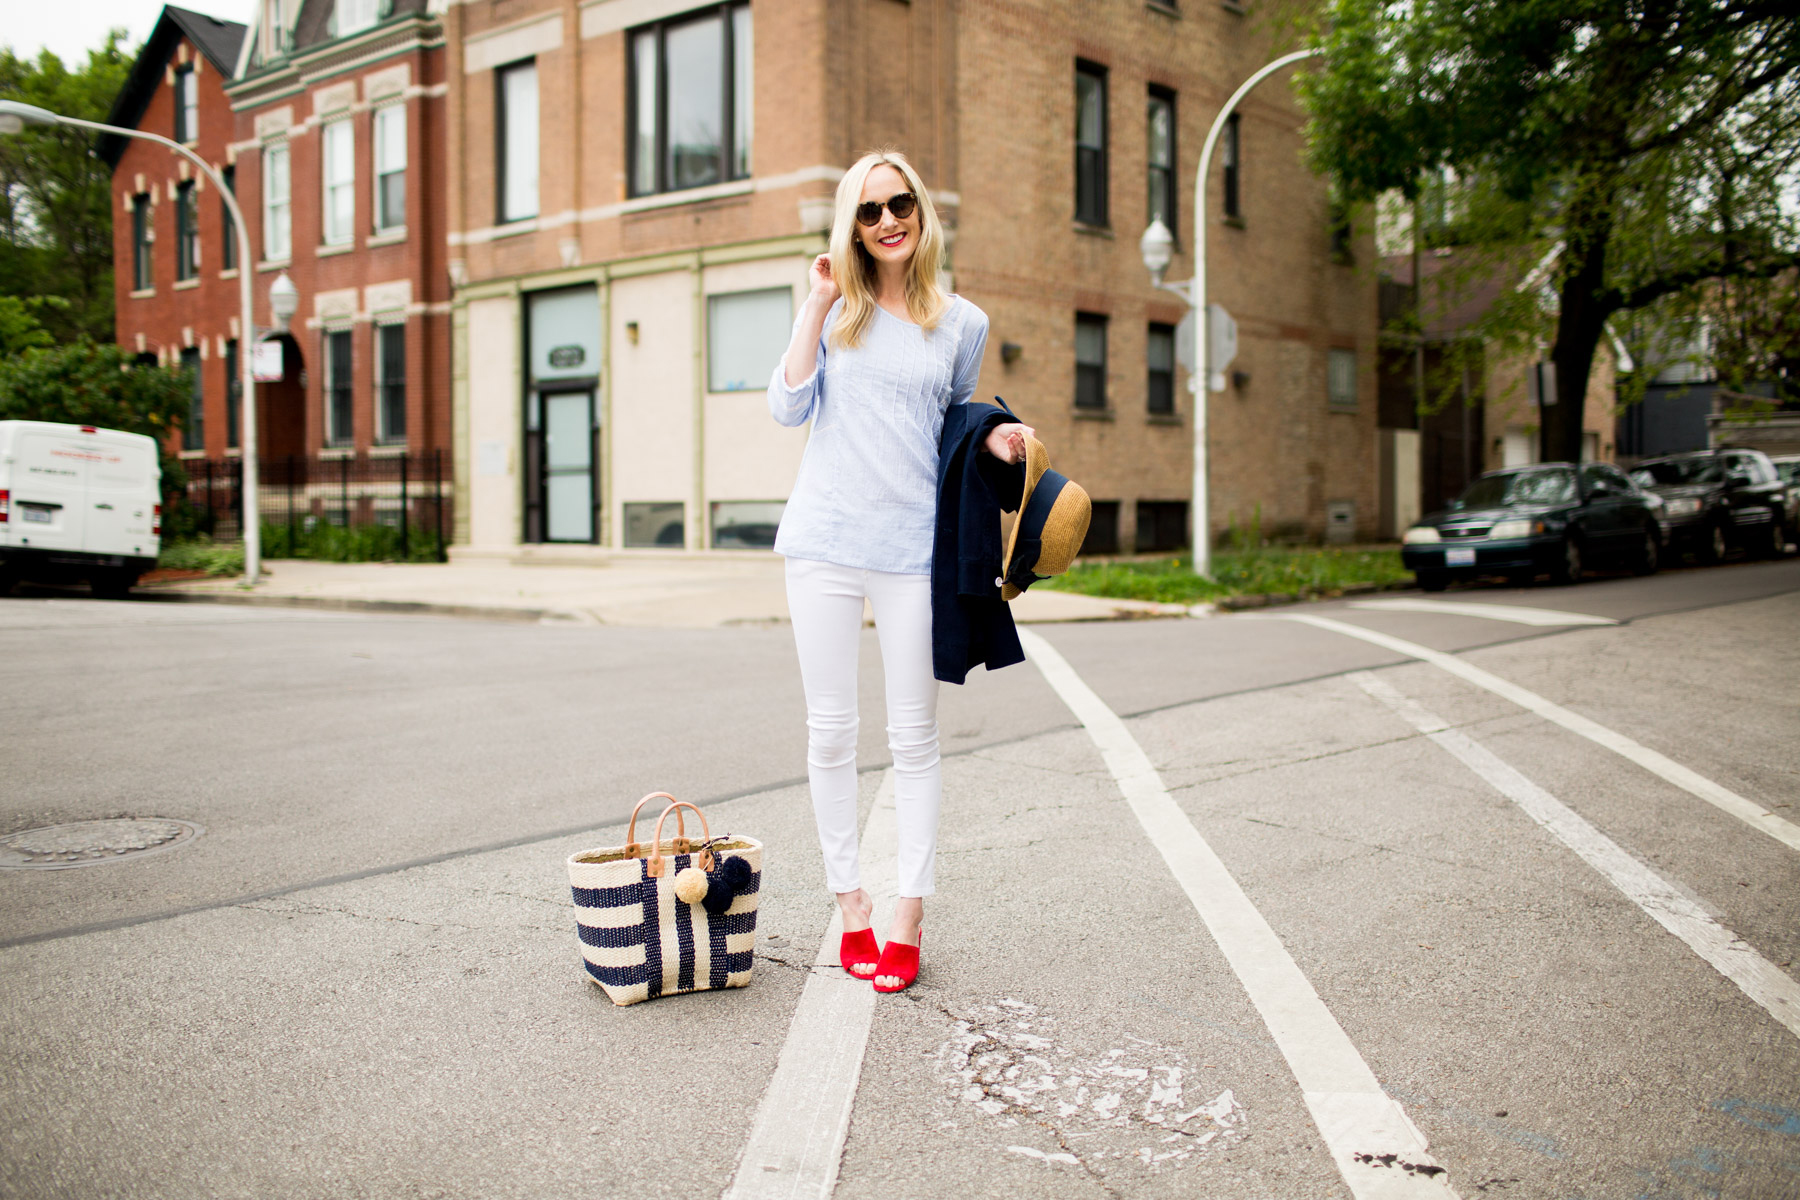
724, 884
718, 895
736, 872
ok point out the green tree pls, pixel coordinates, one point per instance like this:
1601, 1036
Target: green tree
20, 329
1643, 151
55, 196
86, 383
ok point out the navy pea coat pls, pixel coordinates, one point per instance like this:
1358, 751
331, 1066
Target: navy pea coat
970, 623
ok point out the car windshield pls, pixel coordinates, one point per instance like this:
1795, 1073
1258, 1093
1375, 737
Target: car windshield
1519, 487
1789, 470
1674, 472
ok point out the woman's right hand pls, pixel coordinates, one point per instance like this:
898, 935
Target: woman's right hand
824, 285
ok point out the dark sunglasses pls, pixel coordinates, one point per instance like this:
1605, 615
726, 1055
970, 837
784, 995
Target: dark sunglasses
901, 205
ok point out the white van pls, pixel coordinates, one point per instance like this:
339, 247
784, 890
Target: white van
78, 502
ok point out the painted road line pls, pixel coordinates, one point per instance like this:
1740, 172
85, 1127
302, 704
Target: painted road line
796, 1142
1518, 615
1747, 811
1361, 1124
1755, 976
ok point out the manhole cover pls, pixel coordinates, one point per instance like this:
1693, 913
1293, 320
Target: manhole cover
89, 843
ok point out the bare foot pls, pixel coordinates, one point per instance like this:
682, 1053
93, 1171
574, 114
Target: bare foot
856, 908
909, 914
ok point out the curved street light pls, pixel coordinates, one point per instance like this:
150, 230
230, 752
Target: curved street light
14, 116
1157, 247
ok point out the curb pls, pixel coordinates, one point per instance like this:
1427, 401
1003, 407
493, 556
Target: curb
1273, 599
557, 616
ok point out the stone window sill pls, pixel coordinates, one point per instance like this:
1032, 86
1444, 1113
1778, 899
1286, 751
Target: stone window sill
1167, 10
333, 453
328, 251
143, 293
186, 285
274, 264
1092, 414
1104, 231
712, 191
386, 237
192, 454
228, 273
388, 450
1233, 222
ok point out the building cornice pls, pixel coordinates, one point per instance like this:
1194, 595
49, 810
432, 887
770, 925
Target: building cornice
410, 31
788, 246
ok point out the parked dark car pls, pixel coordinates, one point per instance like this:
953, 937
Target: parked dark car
1714, 500
1548, 518
1787, 469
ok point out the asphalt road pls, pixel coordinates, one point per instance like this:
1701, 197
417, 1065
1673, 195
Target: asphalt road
360, 979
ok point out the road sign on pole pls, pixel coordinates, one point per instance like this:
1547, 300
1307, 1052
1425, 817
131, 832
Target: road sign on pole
1221, 345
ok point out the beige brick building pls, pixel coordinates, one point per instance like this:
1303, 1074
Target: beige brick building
636, 188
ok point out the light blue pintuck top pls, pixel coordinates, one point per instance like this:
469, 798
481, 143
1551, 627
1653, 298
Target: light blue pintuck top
866, 495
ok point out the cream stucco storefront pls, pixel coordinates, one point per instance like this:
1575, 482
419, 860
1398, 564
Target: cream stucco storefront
622, 405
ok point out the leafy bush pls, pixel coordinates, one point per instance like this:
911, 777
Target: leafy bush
1238, 572
86, 383
202, 554
333, 543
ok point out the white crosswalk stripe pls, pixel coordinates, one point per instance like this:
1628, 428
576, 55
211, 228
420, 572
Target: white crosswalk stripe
1359, 1122
1518, 614
796, 1142
1756, 976
1689, 780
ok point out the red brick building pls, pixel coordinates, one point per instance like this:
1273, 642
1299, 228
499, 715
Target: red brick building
327, 118
637, 188
174, 267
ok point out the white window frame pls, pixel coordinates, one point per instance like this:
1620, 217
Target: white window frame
278, 207
354, 16
1340, 379
337, 228
390, 158
187, 106
383, 435
727, 348
336, 438
517, 159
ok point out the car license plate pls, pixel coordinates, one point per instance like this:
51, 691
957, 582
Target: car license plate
1459, 556
31, 512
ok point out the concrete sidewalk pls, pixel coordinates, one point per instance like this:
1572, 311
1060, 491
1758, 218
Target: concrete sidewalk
650, 589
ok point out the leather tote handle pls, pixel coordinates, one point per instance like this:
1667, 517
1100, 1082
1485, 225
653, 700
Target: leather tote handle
631, 847
682, 845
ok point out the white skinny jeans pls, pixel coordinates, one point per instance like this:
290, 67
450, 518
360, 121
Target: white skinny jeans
826, 603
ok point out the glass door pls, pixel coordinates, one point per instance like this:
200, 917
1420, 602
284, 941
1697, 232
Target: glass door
569, 480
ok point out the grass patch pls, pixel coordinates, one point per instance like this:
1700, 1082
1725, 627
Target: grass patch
322, 542
201, 553
325, 542
1309, 571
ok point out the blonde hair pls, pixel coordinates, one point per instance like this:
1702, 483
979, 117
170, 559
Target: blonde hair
854, 270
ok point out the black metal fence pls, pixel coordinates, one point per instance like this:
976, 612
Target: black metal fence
354, 507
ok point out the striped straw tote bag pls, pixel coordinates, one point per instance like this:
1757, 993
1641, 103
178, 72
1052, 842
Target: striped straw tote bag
660, 918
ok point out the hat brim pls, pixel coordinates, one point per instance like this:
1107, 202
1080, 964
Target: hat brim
1037, 461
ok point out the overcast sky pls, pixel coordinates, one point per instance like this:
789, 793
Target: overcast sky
70, 28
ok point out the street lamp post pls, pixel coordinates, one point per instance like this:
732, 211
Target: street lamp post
1157, 247
14, 116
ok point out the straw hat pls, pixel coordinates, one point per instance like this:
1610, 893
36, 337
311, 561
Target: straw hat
1053, 519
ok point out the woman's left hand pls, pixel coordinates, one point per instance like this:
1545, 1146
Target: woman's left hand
1007, 442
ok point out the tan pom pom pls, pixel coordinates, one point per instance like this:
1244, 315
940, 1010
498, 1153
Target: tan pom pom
690, 886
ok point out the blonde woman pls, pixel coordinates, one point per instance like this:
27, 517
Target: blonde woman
879, 353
